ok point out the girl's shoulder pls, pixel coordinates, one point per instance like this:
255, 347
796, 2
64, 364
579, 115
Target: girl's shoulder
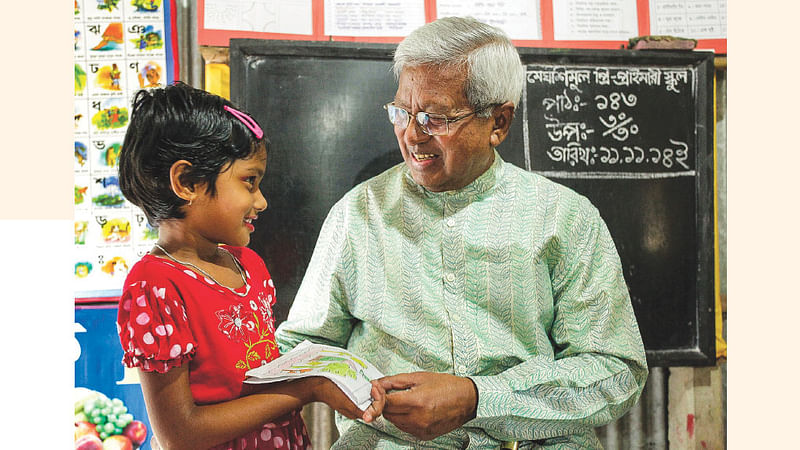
148, 267
153, 269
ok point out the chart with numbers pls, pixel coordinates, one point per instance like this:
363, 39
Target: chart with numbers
121, 46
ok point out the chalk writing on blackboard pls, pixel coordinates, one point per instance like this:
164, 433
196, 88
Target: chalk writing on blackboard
671, 79
667, 157
608, 122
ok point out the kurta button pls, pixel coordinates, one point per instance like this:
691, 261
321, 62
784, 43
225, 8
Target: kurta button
450, 277
462, 368
451, 222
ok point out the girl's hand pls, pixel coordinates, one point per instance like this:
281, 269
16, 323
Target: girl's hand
375, 409
326, 391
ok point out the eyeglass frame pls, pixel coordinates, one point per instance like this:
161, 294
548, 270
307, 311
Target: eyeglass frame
447, 120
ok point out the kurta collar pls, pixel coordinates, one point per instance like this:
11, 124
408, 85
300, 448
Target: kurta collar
483, 184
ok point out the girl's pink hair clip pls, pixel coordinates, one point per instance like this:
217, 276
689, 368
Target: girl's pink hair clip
246, 120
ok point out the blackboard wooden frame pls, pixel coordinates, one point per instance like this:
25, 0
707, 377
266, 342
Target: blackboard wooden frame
305, 177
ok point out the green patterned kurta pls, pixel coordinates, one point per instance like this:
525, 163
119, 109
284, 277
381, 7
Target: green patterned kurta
512, 280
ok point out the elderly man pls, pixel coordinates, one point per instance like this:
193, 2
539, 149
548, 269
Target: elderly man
492, 297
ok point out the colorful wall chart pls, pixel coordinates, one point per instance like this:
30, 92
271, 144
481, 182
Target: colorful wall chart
121, 46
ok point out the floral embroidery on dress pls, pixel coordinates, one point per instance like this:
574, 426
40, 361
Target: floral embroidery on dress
253, 327
234, 324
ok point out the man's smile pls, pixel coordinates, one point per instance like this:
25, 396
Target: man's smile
423, 156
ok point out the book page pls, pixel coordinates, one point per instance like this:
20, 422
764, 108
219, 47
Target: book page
351, 373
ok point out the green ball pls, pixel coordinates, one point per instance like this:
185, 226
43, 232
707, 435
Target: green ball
108, 428
97, 420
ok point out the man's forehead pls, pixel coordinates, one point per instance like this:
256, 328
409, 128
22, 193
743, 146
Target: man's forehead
431, 85
445, 73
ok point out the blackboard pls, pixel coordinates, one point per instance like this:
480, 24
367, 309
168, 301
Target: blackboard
631, 130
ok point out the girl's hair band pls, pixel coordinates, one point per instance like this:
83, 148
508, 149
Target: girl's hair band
246, 120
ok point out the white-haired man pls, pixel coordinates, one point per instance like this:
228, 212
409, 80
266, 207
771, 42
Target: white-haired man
492, 297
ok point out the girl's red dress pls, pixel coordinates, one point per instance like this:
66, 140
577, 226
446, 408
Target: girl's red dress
170, 316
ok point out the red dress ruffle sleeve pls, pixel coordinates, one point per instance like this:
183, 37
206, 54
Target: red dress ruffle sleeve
155, 335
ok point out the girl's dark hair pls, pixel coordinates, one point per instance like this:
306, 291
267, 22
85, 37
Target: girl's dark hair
174, 123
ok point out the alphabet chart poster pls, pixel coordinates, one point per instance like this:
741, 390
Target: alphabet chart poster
121, 46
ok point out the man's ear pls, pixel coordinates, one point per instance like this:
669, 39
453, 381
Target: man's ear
178, 180
502, 116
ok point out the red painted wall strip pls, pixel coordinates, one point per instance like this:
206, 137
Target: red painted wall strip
643, 13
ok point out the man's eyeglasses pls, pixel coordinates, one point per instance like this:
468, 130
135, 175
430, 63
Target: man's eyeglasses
431, 124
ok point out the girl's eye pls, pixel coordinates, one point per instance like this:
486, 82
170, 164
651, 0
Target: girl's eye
251, 181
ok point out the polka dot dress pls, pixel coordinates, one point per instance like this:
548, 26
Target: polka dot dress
170, 316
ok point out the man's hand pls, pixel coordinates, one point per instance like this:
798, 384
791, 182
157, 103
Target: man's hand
428, 405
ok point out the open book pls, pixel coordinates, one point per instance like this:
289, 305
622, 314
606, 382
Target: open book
351, 373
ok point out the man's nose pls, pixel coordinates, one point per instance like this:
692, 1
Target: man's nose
413, 133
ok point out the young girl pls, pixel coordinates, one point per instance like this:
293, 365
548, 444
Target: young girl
194, 315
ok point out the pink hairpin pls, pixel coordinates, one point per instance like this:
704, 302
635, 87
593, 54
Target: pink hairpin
246, 120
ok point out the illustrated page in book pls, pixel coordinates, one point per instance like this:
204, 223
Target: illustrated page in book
350, 372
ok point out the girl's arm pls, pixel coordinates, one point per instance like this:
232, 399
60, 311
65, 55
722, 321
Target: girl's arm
181, 424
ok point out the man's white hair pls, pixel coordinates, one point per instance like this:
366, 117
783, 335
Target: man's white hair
494, 73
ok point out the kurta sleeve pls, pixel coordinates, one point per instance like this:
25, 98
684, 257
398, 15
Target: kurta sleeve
152, 324
319, 312
599, 367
